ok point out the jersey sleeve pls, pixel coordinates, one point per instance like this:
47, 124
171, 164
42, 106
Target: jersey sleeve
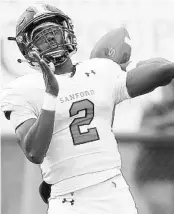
16, 108
117, 79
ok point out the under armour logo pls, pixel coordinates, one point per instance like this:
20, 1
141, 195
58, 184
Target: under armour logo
70, 201
88, 73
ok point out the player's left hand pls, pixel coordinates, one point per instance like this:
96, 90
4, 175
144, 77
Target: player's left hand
50, 80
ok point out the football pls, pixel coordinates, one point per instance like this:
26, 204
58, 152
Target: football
114, 45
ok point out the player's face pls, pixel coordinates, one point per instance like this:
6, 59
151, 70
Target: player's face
50, 43
49, 39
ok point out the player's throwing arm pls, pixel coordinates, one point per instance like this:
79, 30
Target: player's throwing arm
149, 75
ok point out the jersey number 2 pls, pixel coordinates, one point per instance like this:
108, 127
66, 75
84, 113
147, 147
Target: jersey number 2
78, 136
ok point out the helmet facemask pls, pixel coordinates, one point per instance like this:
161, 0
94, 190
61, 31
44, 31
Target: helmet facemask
53, 38
52, 41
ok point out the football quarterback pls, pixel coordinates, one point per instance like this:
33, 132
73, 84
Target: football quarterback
63, 118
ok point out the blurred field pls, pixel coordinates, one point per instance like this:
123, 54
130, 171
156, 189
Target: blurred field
20, 181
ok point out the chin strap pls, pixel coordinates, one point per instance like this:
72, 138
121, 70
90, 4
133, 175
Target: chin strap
36, 66
11, 38
22, 60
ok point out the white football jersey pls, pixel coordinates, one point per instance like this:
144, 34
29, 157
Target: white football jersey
82, 141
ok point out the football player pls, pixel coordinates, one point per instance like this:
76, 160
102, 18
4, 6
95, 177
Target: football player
63, 118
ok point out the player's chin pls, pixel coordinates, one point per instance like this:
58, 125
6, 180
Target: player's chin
61, 60
56, 59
